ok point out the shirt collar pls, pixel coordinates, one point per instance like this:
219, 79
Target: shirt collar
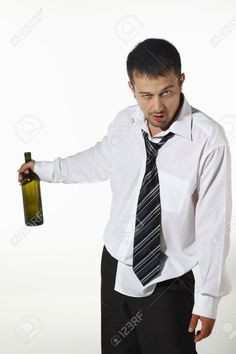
181, 126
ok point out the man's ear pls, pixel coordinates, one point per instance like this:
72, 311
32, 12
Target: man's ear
181, 80
132, 88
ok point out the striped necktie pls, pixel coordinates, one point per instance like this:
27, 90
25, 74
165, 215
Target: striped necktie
146, 252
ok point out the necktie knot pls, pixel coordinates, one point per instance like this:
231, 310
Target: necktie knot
151, 147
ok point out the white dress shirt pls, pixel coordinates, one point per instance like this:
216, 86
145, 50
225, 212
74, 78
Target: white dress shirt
194, 169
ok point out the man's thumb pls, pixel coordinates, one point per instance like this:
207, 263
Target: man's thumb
193, 323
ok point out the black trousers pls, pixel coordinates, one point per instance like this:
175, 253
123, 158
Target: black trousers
156, 324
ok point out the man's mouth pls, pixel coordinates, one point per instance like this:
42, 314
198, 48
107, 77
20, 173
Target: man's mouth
158, 117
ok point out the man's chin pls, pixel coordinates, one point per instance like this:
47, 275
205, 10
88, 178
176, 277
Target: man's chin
157, 124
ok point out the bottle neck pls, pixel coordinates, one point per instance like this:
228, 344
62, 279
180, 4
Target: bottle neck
27, 156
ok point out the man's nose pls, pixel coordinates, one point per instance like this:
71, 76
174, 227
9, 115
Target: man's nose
157, 104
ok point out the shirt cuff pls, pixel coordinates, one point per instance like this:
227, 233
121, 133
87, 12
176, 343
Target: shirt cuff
44, 169
206, 305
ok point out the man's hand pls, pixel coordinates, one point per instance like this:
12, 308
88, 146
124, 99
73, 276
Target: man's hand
207, 326
24, 168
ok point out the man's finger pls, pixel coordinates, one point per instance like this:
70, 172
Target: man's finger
193, 323
200, 335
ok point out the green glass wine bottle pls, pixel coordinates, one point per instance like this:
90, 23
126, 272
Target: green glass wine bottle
31, 193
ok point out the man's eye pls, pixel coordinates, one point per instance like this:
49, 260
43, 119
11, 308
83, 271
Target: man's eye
165, 93
146, 96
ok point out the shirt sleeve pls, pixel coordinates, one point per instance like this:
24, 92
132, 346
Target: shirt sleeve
90, 165
212, 230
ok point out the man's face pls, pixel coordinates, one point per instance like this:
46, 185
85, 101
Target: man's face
158, 98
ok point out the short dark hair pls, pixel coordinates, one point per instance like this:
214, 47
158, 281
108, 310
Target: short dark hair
153, 57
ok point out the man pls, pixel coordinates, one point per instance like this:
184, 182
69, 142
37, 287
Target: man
169, 166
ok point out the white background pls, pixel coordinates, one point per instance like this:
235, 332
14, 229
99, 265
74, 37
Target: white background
62, 80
